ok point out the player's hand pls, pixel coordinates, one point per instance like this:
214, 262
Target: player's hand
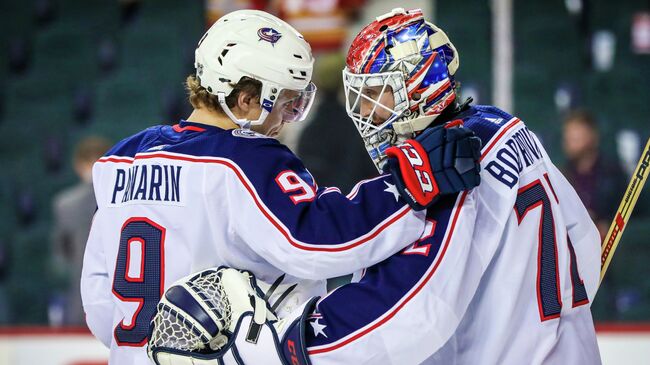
442, 160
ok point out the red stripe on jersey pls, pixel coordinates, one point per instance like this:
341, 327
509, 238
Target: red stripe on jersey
278, 225
511, 124
178, 128
551, 186
116, 159
392, 313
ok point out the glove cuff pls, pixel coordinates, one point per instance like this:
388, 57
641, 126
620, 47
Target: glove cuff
294, 348
415, 171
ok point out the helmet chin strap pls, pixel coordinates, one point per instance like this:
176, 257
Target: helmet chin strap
411, 126
242, 123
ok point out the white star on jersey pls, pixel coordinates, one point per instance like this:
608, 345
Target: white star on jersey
318, 328
390, 188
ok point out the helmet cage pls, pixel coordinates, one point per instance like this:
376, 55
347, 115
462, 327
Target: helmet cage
376, 134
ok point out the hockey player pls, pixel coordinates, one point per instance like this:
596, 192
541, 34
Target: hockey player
503, 274
217, 190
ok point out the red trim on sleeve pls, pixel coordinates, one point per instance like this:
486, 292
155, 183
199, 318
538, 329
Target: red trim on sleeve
513, 122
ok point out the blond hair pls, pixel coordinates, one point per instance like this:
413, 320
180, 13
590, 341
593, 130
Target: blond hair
200, 97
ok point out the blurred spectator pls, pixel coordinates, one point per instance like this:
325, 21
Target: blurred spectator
329, 144
73, 212
599, 182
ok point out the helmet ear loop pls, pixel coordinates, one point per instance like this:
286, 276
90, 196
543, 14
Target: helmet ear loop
242, 123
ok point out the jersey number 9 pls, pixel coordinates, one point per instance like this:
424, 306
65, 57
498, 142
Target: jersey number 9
139, 277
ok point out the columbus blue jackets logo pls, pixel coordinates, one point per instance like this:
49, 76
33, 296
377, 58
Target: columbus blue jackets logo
269, 34
247, 133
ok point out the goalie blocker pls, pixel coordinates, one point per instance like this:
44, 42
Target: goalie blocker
218, 316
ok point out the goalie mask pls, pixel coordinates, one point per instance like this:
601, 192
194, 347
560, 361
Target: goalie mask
399, 77
261, 46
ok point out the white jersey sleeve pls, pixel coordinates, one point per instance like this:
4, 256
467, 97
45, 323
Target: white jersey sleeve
96, 291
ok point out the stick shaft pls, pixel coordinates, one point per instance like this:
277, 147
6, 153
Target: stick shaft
625, 210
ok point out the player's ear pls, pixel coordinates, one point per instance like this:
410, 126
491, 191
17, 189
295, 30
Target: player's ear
246, 102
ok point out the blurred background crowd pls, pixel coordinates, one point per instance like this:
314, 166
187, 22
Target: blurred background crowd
76, 76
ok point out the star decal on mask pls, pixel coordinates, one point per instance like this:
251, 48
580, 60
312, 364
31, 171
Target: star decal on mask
390, 188
318, 328
409, 61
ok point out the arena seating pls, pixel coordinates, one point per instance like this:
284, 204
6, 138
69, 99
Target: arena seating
72, 68
68, 69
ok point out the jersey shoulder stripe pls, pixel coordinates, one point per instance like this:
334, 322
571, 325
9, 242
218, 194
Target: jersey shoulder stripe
342, 245
130, 146
490, 124
327, 222
485, 120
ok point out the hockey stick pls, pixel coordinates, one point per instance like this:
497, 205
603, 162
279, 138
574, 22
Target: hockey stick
624, 210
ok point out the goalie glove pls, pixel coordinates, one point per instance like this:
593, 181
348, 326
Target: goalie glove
218, 317
442, 160
199, 314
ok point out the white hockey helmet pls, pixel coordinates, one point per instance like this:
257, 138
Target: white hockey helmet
258, 45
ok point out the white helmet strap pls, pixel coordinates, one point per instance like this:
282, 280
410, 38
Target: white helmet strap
242, 123
410, 126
